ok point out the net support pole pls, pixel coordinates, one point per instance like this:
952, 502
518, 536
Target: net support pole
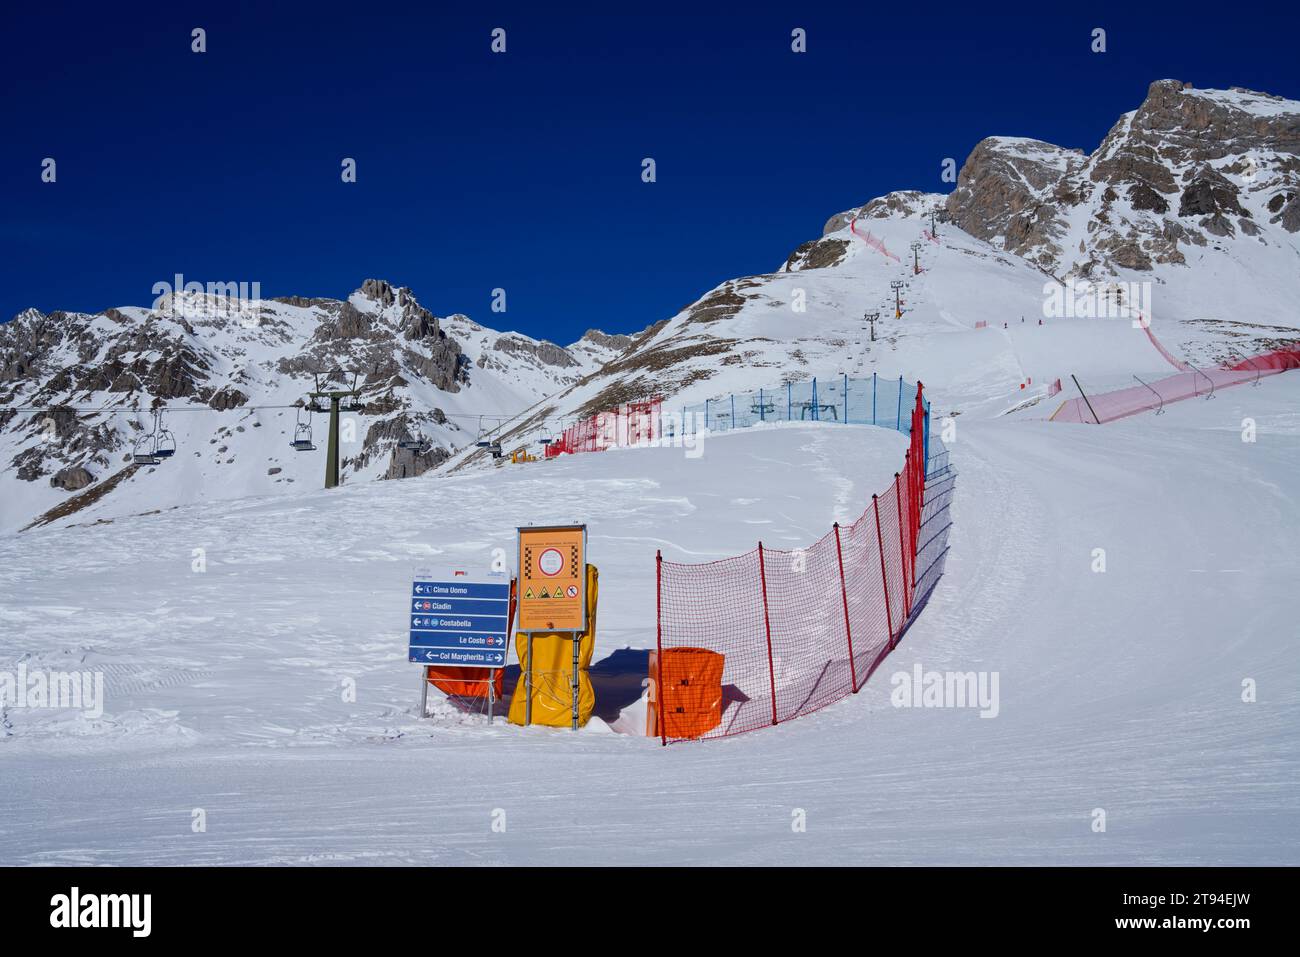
902, 551
767, 625
424, 692
577, 642
1089, 404
844, 598
898, 425
884, 579
528, 684
659, 646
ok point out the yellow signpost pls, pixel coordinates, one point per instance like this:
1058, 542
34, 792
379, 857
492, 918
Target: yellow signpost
552, 592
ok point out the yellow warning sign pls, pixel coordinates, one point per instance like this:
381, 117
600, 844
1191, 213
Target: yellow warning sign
552, 562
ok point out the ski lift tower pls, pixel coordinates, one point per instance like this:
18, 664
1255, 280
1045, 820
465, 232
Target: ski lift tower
933, 232
916, 262
896, 285
871, 317
334, 401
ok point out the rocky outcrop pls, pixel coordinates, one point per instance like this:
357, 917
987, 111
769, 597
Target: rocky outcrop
817, 254
405, 463
1185, 164
1008, 192
73, 478
547, 353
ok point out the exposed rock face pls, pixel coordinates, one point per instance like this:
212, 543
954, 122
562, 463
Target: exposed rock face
73, 478
548, 353
1007, 193
614, 343
903, 202
405, 463
1185, 164
817, 254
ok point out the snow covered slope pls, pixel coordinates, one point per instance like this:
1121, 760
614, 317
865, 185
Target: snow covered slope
1119, 690
1187, 215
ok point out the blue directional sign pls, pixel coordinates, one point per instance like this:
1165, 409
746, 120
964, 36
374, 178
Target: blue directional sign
460, 622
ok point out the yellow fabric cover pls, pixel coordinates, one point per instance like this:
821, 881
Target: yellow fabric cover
553, 671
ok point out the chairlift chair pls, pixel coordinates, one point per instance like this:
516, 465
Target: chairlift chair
165, 447
142, 453
302, 434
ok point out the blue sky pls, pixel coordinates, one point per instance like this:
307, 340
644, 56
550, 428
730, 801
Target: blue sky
522, 171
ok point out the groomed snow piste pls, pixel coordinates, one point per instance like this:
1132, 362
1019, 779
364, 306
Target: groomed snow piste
1119, 690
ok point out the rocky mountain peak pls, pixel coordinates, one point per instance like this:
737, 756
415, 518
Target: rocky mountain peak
1185, 169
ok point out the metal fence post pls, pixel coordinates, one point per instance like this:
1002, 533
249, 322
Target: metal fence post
733, 410
844, 597
884, 578
846, 398
815, 414
659, 645
762, 409
902, 552
767, 624
873, 398
789, 404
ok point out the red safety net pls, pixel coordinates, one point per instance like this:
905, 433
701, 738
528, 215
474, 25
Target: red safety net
636, 423
1146, 396
874, 242
801, 629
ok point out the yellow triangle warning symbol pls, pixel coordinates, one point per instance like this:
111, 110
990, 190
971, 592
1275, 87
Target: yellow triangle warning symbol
558, 594
545, 593
529, 593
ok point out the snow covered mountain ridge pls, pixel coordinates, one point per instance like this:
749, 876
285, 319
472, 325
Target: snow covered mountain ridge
1193, 198
77, 389
1195, 195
